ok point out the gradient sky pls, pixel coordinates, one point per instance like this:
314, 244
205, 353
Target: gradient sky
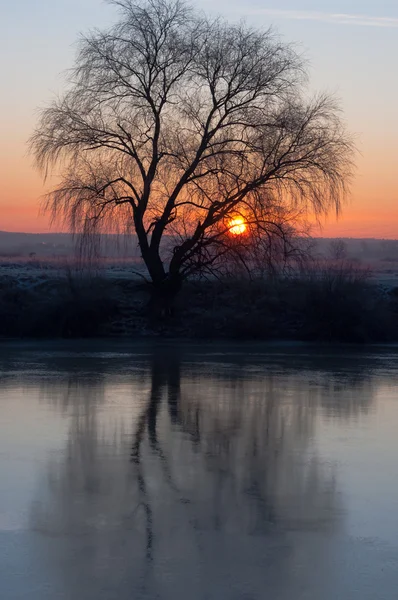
351, 45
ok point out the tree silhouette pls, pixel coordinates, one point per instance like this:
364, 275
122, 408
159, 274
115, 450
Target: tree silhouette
174, 122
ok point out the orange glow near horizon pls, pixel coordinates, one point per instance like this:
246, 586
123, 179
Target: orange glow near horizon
370, 212
237, 226
366, 221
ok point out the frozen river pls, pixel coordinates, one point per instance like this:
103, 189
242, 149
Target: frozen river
161, 471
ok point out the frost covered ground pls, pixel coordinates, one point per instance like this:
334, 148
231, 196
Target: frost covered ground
31, 270
384, 273
41, 256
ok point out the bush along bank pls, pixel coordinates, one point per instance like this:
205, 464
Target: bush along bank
330, 309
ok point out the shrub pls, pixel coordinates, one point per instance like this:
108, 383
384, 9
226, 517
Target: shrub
67, 307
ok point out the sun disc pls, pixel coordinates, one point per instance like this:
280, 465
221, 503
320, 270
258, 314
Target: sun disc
237, 226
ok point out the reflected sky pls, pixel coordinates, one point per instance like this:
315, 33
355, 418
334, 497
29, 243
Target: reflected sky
176, 471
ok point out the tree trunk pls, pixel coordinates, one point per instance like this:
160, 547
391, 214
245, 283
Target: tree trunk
163, 295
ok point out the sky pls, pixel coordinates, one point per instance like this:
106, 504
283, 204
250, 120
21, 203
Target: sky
351, 47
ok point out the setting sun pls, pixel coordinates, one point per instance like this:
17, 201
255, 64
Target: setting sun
237, 226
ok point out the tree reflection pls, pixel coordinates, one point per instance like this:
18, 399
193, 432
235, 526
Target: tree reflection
217, 455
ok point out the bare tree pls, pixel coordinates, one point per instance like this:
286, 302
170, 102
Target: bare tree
173, 123
338, 250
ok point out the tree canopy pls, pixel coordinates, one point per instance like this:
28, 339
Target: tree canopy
173, 123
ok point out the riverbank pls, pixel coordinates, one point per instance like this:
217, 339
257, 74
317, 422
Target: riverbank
335, 306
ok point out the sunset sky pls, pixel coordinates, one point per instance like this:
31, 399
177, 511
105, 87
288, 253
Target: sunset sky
351, 45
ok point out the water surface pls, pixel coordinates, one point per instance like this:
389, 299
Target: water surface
174, 471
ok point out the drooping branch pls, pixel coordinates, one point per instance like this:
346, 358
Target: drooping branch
173, 122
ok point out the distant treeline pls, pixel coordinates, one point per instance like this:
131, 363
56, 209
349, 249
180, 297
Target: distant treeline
51, 245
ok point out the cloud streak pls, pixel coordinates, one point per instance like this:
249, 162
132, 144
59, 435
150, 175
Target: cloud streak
334, 18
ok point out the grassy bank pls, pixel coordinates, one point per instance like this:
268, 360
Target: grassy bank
335, 305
